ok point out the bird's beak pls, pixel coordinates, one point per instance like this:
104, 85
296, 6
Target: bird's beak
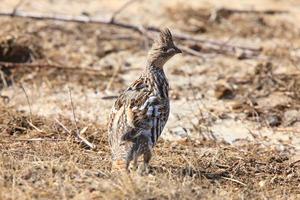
177, 50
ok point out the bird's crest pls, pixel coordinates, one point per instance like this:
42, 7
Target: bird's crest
162, 49
165, 37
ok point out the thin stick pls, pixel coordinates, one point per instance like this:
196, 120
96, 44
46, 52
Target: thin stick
3, 79
28, 102
63, 126
234, 180
122, 8
239, 11
191, 52
113, 77
294, 163
109, 97
78, 135
85, 141
17, 6
37, 139
72, 106
36, 128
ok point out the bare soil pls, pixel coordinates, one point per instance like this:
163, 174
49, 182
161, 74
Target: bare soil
234, 128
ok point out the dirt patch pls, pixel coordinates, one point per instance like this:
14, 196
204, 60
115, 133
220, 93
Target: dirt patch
254, 91
240, 23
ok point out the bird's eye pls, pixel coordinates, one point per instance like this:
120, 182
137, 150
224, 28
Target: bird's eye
164, 49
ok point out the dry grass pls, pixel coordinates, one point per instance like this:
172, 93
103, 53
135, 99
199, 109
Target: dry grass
39, 159
58, 167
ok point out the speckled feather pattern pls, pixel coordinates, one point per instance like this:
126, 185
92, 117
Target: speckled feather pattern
140, 113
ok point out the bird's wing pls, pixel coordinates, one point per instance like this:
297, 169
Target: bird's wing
135, 111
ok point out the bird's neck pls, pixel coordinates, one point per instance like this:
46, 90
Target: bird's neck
155, 59
158, 63
151, 68
159, 80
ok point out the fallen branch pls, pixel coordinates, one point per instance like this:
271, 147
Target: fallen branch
241, 11
77, 19
89, 71
133, 27
218, 13
191, 51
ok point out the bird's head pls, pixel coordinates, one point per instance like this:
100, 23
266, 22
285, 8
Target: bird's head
162, 49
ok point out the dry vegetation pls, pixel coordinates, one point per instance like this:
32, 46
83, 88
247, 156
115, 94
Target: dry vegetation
197, 158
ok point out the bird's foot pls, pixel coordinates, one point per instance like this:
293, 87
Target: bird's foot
144, 169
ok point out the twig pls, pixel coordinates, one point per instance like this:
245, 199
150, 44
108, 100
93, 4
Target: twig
222, 166
133, 27
113, 77
109, 97
73, 111
191, 51
16, 7
92, 146
90, 71
240, 11
36, 128
234, 180
288, 129
78, 136
27, 98
122, 8
2, 75
70, 18
38, 139
78, 133
218, 13
294, 163
63, 126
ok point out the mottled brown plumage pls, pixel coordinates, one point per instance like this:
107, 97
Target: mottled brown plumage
142, 110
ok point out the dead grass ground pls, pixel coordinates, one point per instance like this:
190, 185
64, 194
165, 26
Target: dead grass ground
58, 168
233, 132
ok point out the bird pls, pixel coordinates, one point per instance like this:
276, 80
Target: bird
140, 113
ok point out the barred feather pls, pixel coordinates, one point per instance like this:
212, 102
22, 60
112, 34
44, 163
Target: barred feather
140, 113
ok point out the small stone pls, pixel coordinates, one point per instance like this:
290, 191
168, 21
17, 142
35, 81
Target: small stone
262, 183
273, 120
291, 116
223, 92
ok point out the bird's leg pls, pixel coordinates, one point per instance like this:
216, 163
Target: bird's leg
127, 164
147, 158
135, 161
129, 159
